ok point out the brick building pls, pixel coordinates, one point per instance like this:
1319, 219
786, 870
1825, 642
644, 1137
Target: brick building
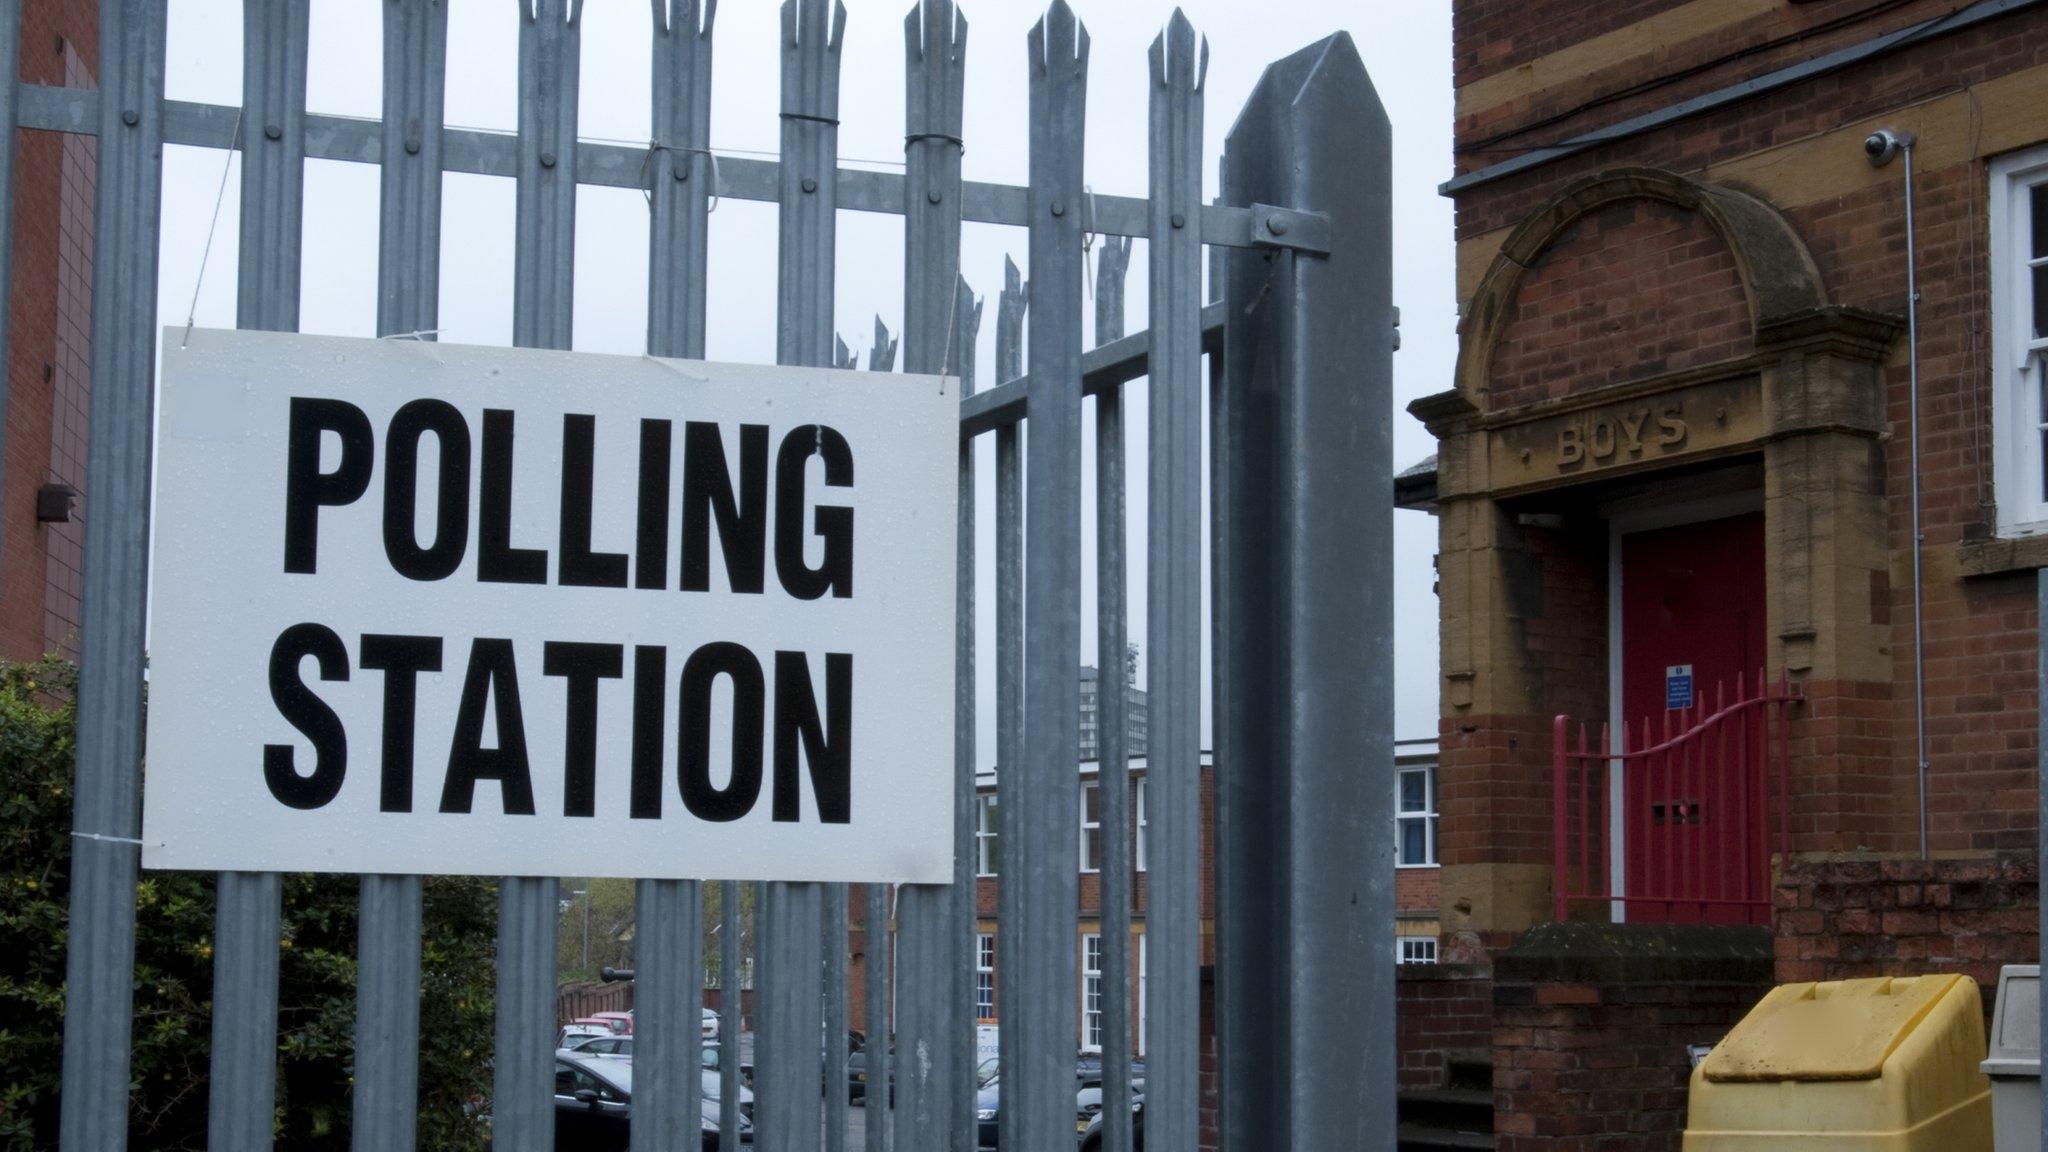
1678, 451
1415, 886
42, 458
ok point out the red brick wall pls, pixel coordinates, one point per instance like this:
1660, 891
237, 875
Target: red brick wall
1439, 1010
1636, 289
1602, 1065
48, 368
1418, 890
1841, 920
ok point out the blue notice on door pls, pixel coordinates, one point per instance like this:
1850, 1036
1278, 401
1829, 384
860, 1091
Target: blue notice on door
1678, 686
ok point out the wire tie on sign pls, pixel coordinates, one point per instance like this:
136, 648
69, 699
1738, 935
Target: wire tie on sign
107, 839
417, 334
234, 138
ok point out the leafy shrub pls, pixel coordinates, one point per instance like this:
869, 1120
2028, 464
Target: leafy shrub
174, 969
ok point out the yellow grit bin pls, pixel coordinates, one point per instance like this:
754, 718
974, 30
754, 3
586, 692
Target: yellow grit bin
1881, 1065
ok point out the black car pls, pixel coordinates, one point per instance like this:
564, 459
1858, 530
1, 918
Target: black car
594, 1107
1091, 1136
857, 1077
1087, 1096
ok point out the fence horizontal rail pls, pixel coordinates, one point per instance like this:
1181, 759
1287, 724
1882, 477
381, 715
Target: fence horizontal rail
608, 165
1103, 367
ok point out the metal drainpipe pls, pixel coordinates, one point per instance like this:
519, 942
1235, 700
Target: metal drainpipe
1880, 147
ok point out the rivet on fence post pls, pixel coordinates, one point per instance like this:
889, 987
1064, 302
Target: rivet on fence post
129, 117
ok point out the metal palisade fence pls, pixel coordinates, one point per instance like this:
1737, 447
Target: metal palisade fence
1297, 392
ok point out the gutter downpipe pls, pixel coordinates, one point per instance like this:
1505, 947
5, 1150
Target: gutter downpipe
1913, 402
1880, 147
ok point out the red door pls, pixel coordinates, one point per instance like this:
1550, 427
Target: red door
1692, 621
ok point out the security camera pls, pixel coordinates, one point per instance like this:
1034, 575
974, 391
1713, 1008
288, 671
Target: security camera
1880, 146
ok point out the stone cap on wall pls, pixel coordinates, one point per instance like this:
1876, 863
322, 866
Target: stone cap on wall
1590, 953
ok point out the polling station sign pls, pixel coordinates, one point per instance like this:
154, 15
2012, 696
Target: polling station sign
424, 608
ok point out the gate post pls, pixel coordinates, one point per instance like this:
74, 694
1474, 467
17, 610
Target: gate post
1304, 618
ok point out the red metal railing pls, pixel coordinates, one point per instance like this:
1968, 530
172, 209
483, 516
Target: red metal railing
1696, 802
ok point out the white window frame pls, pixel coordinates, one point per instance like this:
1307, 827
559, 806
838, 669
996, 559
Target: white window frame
1144, 990
2018, 359
1091, 992
1427, 816
986, 833
1415, 949
1087, 825
1141, 823
984, 976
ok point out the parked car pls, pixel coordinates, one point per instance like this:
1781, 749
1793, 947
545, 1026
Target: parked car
573, 1034
610, 1044
710, 1024
857, 1077
620, 1022
593, 1107
713, 1054
1087, 1095
1091, 1132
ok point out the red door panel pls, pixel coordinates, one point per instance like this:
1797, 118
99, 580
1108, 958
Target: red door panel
1690, 595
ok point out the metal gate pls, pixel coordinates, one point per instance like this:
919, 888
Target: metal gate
1690, 811
1298, 405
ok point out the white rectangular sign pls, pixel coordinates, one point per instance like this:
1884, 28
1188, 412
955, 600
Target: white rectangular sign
422, 608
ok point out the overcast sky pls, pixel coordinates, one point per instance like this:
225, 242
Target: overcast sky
1406, 48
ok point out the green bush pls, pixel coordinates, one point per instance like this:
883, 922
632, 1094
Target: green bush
174, 969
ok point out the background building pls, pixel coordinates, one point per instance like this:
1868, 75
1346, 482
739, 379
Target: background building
43, 416
1091, 718
1678, 453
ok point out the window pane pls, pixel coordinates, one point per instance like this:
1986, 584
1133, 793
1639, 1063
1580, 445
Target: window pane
1091, 853
1414, 848
2040, 296
1091, 803
995, 855
2038, 205
1414, 792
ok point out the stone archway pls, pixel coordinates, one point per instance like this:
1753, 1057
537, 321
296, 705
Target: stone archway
1779, 278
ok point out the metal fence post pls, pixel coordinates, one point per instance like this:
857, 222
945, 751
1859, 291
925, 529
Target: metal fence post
544, 264
1113, 763
1011, 796
930, 1025
243, 1086
792, 1055
669, 940
1038, 966
386, 1100
1305, 827
1173, 762
100, 957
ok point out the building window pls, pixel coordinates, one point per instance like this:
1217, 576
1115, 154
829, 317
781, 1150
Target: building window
988, 849
1415, 816
1141, 823
1415, 949
1091, 828
2019, 333
1091, 993
984, 977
